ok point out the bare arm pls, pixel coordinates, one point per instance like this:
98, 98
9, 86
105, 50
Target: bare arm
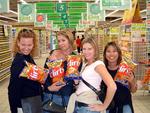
111, 88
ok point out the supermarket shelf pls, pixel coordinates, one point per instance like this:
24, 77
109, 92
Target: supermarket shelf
4, 77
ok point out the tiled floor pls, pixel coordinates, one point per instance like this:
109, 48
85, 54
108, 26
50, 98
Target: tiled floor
141, 102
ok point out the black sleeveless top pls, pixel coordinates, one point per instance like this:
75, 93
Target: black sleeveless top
122, 96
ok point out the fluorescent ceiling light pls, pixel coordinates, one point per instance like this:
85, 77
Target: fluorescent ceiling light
96, 1
13, 12
121, 18
60, 1
8, 18
143, 11
24, 2
112, 13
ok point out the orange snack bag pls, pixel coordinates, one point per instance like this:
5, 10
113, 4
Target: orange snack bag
56, 70
73, 63
34, 73
122, 72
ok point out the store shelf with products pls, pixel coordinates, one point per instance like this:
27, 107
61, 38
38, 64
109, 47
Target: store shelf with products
101, 42
5, 53
133, 44
114, 33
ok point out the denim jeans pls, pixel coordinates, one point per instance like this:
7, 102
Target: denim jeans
32, 104
56, 98
83, 110
126, 109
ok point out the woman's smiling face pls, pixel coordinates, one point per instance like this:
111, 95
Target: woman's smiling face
25, 45
111, 54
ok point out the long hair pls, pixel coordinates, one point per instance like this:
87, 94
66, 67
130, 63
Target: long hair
25, 33
91, 40
113, 44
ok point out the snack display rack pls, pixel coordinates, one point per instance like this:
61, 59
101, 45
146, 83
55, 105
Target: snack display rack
5, 53
101, 42
134, 45
114, 34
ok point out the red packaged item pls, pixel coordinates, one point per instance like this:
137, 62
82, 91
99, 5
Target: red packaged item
73, 63
34, 73
122, 72
56, 68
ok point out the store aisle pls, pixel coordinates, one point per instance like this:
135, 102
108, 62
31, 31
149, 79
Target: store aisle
141, 103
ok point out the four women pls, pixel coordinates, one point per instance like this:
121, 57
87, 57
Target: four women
27, 93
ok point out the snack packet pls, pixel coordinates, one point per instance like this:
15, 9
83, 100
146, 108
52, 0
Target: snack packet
73, 63
122, 72
56, 70
34, 73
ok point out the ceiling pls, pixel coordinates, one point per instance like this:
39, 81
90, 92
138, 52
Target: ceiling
74, 10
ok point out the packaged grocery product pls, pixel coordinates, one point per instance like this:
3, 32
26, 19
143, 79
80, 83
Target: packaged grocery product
122, 72
34, 73
56, 70
73, 63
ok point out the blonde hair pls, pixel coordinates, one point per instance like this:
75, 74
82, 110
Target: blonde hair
91, 40
25, 33
68, 35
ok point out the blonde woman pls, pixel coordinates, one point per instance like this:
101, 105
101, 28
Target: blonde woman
93, 72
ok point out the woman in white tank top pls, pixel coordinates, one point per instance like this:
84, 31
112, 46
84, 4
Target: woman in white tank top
93, 72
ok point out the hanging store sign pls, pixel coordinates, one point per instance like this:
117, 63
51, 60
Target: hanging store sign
4, 6
116, 4
61, 7
49, 25
94, 12
26, 12
64, 16
40, 20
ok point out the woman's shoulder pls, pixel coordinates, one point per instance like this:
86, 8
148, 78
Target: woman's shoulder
18, 57
98, 62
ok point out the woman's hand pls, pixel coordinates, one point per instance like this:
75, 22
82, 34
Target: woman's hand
130, 77
132, 81
97, 107
56, 86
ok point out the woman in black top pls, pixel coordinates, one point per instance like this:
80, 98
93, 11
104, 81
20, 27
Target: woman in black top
23, 92
65, 44
123, 100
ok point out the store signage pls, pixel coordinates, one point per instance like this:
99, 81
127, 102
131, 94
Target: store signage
84, 16
116, 4
26, 12
66, 21
61, 7
49, 25
66, 25
4, 6
138, 32
98, 15
87, 22
40, 20
64, 16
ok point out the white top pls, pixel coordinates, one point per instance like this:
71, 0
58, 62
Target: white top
91, 76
